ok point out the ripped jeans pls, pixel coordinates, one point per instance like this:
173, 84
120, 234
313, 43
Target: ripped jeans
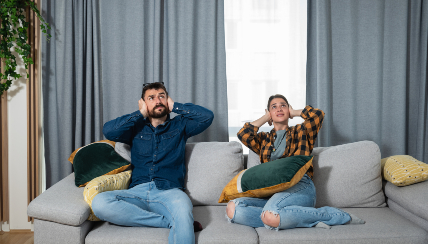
295, 207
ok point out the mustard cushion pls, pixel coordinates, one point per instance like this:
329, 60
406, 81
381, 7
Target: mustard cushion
266, 179
96, 159
404, 170
105, 183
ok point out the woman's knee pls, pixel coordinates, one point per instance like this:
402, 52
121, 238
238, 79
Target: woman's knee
230, 209
270, 219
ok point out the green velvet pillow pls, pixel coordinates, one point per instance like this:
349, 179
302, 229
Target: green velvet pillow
96, 159
266, 179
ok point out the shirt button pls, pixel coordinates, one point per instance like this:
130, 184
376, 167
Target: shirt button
155, 155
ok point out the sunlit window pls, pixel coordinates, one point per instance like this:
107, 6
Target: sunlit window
265, 55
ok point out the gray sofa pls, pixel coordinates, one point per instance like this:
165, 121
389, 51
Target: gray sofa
346, 176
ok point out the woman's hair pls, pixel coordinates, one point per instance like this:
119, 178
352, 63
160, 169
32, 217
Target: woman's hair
276, 96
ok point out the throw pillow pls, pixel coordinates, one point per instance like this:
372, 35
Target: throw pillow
96, 159
404, 170
105, 183
266, 179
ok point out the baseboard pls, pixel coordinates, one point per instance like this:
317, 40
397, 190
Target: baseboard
20, 231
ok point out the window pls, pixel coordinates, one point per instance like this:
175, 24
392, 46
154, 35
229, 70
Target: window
265, 55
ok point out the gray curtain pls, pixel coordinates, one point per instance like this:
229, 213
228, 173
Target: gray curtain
101, 53
72, 109
178, 42
366, 68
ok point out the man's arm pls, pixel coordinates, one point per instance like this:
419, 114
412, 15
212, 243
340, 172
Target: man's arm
197, 118
121, 129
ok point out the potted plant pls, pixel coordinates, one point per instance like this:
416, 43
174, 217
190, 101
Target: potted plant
14, 33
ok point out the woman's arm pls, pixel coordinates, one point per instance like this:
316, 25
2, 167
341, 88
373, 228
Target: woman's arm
263, 120
313, 122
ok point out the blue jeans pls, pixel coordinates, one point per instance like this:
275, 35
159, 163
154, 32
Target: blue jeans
295, 207
145, 205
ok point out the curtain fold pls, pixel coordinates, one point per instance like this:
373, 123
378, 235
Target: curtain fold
366, 68
71, 83
178, 42
102, 52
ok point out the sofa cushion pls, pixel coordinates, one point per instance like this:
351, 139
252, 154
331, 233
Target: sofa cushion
266, 179
421, 222
253, 159
210, 166
414, 197
96, 159
382, 226
348, 175
216, 229
62, 203
404, 170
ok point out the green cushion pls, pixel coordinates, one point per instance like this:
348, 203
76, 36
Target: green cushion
266, 179
95, 160
272, 173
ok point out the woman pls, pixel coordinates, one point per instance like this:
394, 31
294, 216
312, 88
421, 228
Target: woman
293, 207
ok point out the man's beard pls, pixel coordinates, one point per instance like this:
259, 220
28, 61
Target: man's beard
157, 115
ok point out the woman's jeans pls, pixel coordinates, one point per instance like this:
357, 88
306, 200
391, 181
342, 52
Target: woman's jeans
295, 207
145, 205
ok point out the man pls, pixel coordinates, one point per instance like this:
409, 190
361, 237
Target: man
155, 196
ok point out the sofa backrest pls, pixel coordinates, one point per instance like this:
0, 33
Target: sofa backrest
347, 175
210, 166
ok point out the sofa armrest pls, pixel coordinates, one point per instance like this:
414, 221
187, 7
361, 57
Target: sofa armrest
62, 203
412, 198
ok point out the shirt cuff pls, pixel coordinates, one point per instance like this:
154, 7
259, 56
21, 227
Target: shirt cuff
254, 128
305, 112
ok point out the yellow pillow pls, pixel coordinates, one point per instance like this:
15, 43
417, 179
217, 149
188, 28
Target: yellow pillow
404, 170
105, 183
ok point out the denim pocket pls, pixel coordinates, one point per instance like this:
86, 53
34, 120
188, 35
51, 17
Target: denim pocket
143, 143
170, 140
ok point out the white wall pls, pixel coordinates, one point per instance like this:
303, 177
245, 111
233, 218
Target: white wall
17, 135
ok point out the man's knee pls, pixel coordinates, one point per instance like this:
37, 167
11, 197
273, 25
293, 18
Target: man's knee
230, 210
270, 219
98, 204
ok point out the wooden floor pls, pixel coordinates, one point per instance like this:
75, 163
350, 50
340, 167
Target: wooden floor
16, 237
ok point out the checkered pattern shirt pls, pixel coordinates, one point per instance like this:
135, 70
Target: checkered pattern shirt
300, 138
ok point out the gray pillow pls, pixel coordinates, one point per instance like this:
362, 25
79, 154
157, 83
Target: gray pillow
210, 166
348, 175
123, 150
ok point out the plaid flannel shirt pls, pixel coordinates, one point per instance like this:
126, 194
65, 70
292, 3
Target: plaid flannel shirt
300, 138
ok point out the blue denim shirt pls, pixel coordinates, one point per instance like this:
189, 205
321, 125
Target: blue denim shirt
157, 154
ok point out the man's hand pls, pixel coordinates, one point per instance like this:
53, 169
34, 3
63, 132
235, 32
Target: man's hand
143, 108
170, 103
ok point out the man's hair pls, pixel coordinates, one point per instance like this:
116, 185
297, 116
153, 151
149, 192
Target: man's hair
155, 85
276, 96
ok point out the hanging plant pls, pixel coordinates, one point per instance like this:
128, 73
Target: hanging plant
13, 33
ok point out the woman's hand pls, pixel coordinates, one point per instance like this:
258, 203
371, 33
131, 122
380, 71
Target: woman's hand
143, 108
291, 111
268, 117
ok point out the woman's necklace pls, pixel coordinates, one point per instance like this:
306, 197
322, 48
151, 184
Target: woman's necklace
279, 142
